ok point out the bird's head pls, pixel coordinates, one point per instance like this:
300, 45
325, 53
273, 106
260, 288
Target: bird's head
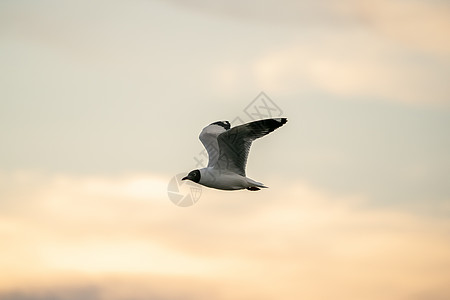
193, 176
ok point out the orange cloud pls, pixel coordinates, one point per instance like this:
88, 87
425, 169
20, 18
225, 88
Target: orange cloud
291, 242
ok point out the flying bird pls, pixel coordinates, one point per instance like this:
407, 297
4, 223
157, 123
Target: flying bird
228, 150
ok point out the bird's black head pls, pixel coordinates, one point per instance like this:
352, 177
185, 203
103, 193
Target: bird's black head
193, 176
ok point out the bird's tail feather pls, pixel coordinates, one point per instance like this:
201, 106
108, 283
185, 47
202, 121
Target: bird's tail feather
256, 184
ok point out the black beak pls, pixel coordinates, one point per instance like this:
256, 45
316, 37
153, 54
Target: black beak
184, 178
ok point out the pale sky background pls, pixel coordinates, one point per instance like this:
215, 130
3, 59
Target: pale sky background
101, 104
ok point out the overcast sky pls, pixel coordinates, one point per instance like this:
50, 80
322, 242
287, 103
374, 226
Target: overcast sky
101, 104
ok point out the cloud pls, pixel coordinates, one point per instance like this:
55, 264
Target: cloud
419, 24
393, 50
355, 66
286, 243
389, 50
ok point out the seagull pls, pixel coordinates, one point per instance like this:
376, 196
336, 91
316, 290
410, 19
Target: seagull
228, 150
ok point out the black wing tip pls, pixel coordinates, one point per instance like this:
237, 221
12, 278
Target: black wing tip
277, 122
281, 120
224, 124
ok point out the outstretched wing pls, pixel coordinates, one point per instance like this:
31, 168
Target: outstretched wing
234, 144
208, 137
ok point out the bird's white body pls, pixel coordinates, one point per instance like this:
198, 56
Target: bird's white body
226, 180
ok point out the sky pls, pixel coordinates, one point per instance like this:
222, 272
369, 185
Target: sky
101, 104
